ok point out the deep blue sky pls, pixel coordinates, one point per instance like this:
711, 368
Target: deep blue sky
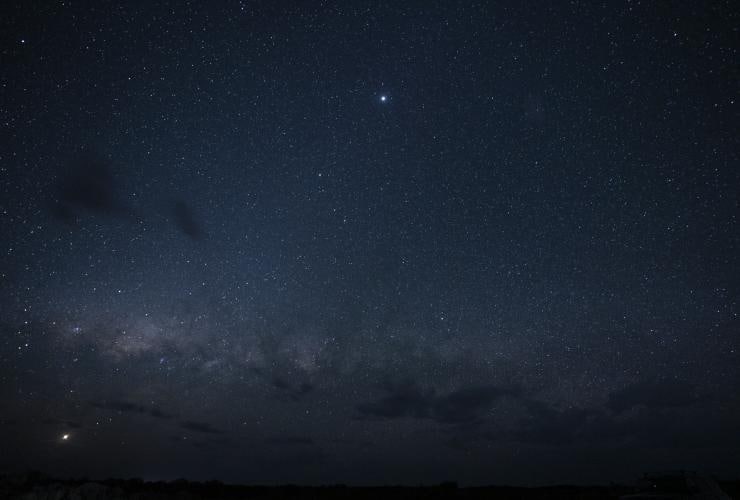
369, 242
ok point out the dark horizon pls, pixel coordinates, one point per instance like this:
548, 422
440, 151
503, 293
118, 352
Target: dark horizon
35, 477
369, 242
673, 485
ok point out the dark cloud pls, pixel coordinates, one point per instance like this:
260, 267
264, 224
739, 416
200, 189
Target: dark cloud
686, 427
203, 427
676, 428
290, 440
292, 390
157, 413
66, 423
465, 405
407, 400
665, 393
468, 404
186, 221
547, 425
128, 407
280, 370
88, 185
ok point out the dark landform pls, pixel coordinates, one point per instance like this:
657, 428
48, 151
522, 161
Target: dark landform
37, 486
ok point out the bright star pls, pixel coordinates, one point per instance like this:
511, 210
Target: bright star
65, 437
383, 98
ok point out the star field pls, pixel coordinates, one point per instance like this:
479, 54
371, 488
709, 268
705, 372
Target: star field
369, 243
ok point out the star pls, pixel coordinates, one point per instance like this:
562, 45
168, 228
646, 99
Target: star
65, 437
383, 98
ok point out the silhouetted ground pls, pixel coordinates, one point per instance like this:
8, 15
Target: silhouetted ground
35, 486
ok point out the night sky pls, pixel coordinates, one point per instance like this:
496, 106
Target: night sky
369, 242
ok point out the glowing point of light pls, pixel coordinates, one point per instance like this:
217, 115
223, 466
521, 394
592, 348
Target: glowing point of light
65, 437
383, 98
